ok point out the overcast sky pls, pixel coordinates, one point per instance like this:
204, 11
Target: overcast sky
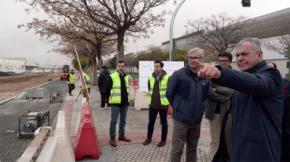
16, 42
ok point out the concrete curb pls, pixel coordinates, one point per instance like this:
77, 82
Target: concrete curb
7, 100
12, 98
59, 148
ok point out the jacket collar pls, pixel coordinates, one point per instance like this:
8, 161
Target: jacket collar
257, 67
162, 74
189, 72
125, 74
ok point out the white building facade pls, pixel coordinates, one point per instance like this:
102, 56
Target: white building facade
16, 65
269, 28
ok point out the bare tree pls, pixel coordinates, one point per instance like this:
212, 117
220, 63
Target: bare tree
217, 31
285, 42
71, 30
63, 31
122, 17
282, 46
132, 16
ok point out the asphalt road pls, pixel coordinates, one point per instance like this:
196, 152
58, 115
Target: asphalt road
11, 147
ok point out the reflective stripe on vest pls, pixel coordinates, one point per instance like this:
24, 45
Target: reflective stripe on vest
162, 89
71, 79
115, 96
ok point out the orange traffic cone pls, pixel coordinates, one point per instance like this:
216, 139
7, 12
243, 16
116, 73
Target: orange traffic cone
87, 143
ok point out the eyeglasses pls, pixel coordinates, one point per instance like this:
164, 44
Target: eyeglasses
194, 58
224, 60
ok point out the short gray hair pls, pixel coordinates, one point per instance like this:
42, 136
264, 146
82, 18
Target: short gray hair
196, 50
255, 42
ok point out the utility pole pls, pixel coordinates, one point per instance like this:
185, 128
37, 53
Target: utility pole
172, 45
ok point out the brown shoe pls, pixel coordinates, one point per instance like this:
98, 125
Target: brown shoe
113, 142
146, 142
123, 138
161, 144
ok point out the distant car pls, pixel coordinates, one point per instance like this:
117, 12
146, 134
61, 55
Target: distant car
65, 72
63, 76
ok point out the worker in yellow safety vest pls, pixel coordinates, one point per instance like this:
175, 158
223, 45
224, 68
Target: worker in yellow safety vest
88, 81
117, 92
71, 80
158, 103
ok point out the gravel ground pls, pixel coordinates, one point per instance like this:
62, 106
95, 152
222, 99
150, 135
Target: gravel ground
13, 85
11, 147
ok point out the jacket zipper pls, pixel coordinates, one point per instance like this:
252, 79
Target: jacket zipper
194, 101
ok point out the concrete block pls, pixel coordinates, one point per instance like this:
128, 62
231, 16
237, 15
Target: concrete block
32, 151
141, 100
38, 93
58, 148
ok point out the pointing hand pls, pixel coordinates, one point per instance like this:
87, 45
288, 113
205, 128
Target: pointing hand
208, 71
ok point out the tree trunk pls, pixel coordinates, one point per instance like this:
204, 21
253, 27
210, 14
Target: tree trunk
94, 71
99, 54
100, 61
120, 46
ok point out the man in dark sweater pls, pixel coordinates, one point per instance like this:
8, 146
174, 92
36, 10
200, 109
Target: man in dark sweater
218, 104
158, 103
102, 81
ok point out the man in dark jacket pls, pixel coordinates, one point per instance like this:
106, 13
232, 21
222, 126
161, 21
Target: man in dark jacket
257, 106
286, 123
286, 131
217, 104
102, 81
187, 93
118, 94
157, 85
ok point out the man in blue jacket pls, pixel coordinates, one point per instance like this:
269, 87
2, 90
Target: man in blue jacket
257, 106
186, 94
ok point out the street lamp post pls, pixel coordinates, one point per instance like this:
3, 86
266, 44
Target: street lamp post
171, 29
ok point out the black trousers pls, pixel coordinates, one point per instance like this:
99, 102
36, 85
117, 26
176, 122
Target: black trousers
152, 118
104, 100
71, 87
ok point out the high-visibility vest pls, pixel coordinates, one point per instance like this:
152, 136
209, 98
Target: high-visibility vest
71, 79
115, 95
87, 80
162, 89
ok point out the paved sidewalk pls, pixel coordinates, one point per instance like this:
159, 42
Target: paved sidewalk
136, 129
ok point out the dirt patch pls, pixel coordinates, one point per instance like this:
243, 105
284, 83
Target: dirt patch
9, 79
13, 85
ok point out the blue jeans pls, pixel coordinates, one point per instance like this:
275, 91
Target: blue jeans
115, 111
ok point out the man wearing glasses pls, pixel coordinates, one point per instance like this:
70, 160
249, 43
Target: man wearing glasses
257, 106
186, 93
218, 103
